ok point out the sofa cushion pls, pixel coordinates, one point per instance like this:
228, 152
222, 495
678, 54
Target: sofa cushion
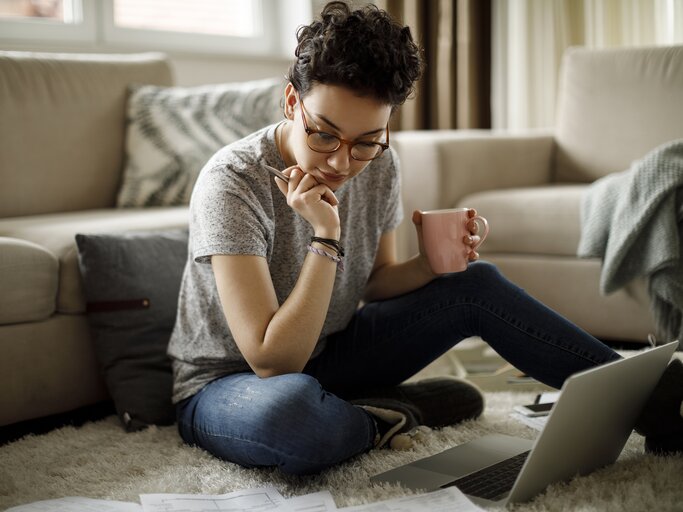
131, 283
173, 131
534, 220
615, 105
28, 280
56, 233
62, 127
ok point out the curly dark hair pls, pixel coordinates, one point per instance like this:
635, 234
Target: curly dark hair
364, 49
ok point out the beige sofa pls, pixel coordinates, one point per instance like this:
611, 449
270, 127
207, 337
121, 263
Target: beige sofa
62, 134
614, 106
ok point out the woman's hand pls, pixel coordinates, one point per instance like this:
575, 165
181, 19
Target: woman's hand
473, 239
314, 201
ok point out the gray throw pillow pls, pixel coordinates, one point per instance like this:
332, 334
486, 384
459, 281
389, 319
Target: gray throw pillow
131, 283
173, 131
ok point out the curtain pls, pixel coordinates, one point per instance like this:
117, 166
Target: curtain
455, 90
530, 36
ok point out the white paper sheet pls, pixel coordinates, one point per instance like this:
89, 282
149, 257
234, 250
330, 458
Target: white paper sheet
535, 422
443, 500
548, 396
315, 502
247, 500
77, 504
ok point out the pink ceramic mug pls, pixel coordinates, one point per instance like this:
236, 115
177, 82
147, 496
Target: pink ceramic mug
443, 234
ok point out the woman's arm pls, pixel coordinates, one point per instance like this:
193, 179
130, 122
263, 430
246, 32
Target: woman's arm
390, 278
274, 339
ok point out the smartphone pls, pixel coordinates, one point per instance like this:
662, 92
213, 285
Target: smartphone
533, 410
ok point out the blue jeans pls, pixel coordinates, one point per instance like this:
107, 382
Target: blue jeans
303, 424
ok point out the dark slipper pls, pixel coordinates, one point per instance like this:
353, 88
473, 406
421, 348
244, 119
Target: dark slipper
441, 401
664, 445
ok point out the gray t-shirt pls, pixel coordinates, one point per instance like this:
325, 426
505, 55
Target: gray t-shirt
236, 208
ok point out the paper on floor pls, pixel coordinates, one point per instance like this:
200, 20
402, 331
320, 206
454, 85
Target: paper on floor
535, 422
261, 499
77, 504
315, 502
250, 500
443, 500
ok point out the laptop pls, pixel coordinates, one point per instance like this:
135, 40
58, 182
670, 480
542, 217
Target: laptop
586, 430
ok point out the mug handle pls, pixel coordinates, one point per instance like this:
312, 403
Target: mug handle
482, 236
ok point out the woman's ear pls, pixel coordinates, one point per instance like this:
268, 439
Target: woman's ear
290, 101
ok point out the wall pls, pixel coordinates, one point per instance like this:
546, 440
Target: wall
195, 70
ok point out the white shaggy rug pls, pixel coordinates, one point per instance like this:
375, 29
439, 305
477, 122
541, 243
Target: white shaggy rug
99, 460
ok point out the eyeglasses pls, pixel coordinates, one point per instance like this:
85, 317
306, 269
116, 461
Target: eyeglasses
323, 142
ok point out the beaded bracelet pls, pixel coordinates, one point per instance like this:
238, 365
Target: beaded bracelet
337, 259
329, 242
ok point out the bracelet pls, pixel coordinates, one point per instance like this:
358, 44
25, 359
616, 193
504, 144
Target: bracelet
337, 259
329, 242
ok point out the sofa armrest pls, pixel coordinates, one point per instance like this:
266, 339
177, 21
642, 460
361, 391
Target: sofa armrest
441, 167
28, 280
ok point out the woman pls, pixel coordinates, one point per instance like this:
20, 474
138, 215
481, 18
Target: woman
274, 363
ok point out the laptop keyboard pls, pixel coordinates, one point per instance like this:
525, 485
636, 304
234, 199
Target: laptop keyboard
492, 482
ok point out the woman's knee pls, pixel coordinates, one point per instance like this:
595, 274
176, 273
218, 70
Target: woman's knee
484, 270
479, 275
299, 404
290, 399
252, 403
288, 421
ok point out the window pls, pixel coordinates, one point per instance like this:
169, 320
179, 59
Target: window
53, 20
214, 26
57, 11
217, 17
245, 27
